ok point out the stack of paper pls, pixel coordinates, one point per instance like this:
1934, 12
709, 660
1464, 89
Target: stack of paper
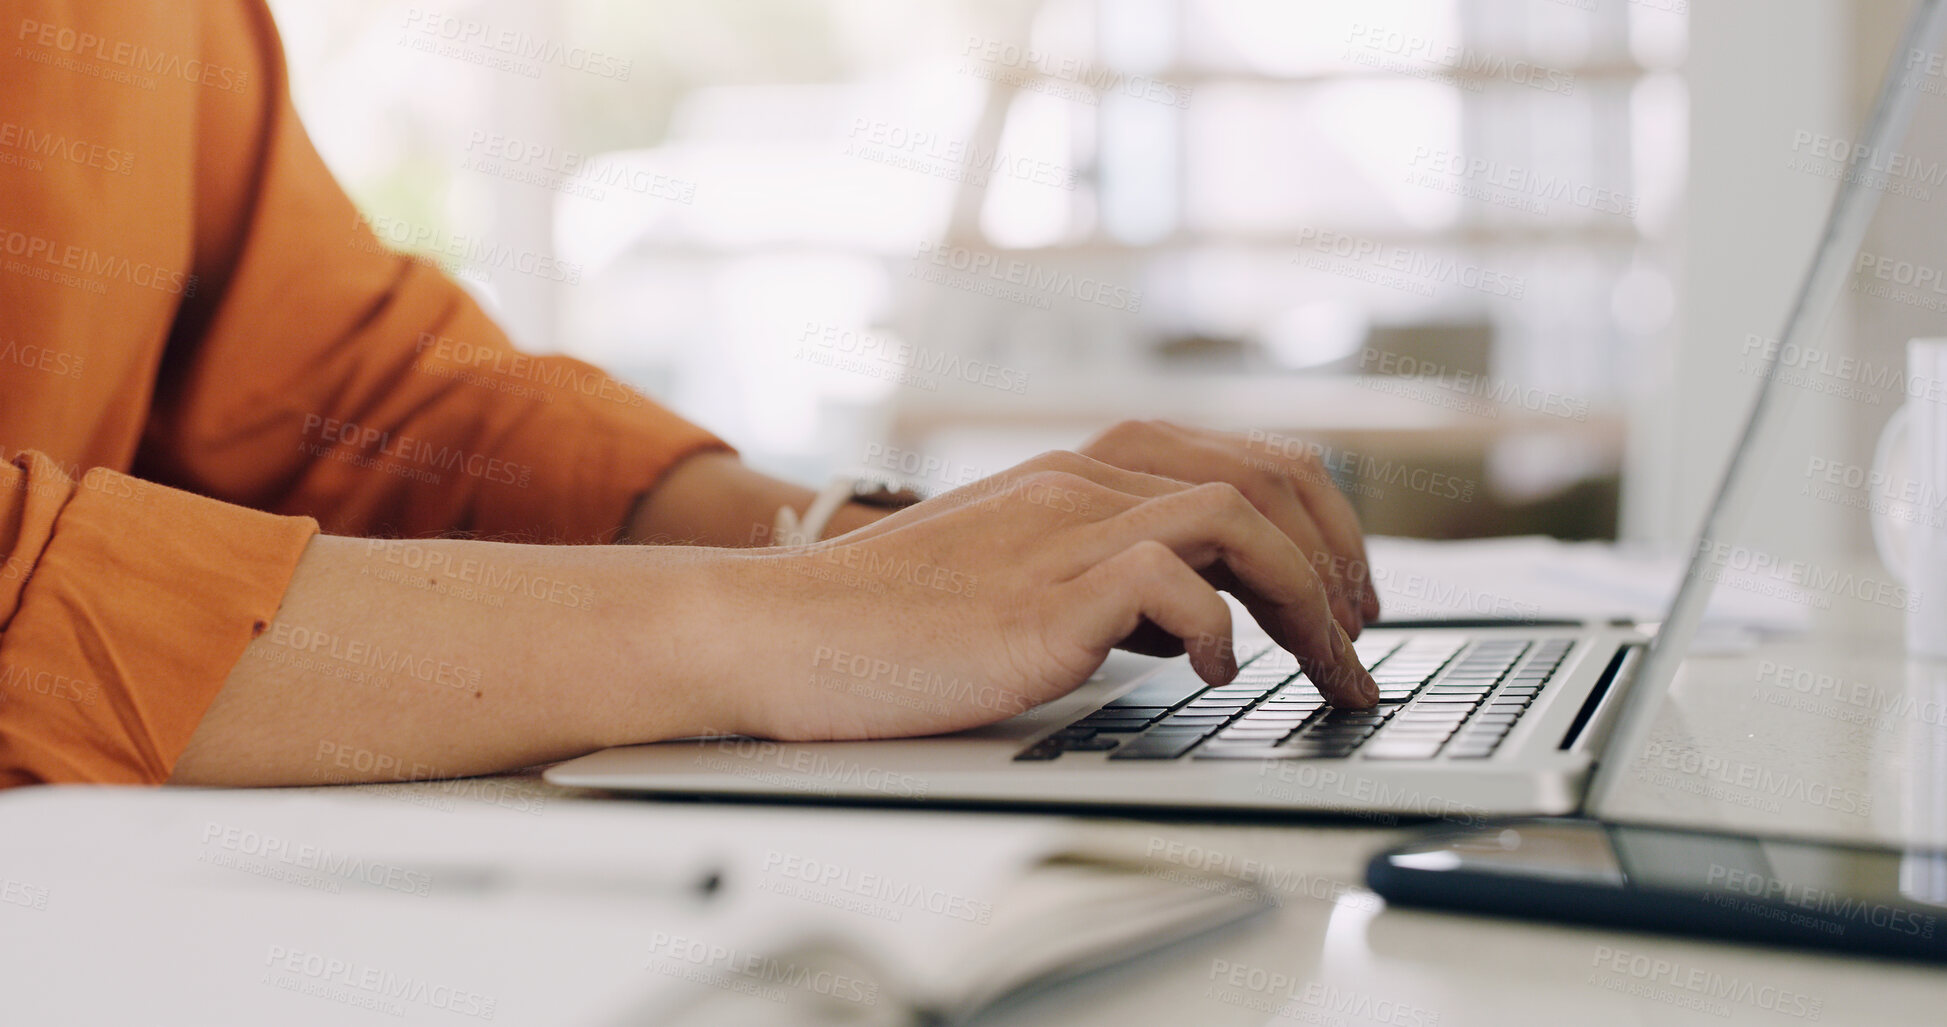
1533, 577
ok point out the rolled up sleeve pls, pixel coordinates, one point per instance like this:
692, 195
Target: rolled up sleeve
123, 607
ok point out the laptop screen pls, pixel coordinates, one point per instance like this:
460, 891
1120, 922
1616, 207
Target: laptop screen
1795, 500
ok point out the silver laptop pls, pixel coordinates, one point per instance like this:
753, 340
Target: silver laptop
1471, 722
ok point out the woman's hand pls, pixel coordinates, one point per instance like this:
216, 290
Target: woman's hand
1285, 479
1006, 593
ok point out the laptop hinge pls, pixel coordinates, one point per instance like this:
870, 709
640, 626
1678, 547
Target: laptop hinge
1623, 662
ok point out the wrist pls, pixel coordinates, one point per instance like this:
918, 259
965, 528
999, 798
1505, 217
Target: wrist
685, 665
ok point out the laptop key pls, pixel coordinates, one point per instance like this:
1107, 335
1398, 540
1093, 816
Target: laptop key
1221, 750
1156, 746
1312, 751
1256, 737
1402, 750
1188, 721
1420, 730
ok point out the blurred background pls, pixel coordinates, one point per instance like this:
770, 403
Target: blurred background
1507, 264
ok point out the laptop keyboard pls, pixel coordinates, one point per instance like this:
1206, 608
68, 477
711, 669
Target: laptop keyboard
1438, 697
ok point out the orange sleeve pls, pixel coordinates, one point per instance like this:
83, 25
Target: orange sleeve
124, 606
309, 375
339, 380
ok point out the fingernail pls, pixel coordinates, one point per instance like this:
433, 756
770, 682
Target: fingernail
1349, 665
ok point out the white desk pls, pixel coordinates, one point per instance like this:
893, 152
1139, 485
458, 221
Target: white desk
148, 919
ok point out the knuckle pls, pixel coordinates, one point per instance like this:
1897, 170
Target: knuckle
1151, 557
1222, 498
1051, 478
1052, 460
1131, 430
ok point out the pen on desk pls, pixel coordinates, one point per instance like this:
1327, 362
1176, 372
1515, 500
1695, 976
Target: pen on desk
1478, 622
428, 878
1419, 624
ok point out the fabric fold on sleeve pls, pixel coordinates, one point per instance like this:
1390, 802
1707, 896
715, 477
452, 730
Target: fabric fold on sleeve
127, 605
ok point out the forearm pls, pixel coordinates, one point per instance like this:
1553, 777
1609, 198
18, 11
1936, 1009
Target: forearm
440, 658
712, 499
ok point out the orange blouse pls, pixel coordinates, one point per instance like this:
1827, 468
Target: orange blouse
205, 355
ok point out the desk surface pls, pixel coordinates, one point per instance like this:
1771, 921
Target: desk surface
187, 907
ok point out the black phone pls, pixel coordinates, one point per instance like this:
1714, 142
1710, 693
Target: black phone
1857, 899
